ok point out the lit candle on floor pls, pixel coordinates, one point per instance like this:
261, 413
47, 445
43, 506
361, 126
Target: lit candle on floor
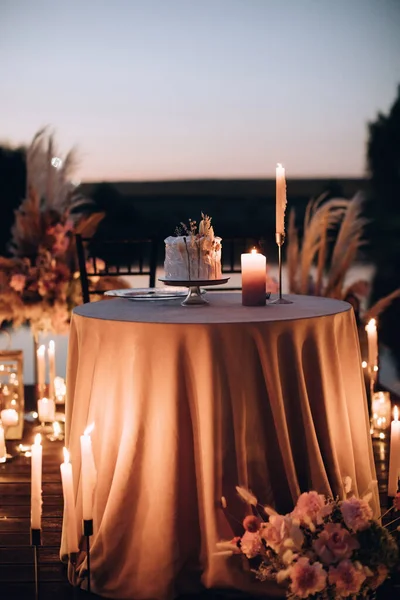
254, 278
3, 450
394, 457
372, 344
9, 417
36, 483
69, 504
46, 410
88, 474
41, 368
51, 353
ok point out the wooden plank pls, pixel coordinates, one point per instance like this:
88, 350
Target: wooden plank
19, 524
24, 489
24, 554
48, 591
49, 538
49, 509
55, 571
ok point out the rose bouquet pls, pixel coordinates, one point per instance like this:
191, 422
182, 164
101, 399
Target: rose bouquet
324, 549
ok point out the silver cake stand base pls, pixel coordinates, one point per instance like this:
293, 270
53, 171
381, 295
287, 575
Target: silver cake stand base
195, 295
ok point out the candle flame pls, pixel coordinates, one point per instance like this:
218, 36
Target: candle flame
396, 413
371, 326
38, 439
52, 346
66, 455
41, 350
56, 428
254, 251
45, 400
364, 364
89, 429
279, 166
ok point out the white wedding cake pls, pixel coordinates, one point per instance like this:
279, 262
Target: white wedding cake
193, 255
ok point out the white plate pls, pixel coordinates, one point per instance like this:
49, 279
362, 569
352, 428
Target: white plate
148, 293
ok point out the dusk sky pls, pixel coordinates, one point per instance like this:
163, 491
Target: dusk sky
170, 89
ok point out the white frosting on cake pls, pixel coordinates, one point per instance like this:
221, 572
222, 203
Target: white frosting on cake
191, 257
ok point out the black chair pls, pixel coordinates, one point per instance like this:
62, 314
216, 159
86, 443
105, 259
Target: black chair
122, 258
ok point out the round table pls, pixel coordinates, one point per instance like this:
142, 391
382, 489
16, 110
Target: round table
189, 402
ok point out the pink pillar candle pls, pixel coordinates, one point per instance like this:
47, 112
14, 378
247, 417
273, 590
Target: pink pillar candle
254, 278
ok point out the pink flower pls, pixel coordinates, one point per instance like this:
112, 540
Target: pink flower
335, 543
396, 501
281, 533
306, 578
357, 513
311, 507
347, 578
251, 544
251, 523
18, 282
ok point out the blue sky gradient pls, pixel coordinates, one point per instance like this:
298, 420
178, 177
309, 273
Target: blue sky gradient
169, 89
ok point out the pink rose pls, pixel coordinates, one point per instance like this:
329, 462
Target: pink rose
347, 578
357, 513
306, 578
251, 523
311, 507
251, 544
335, 543
17, 282
281, 533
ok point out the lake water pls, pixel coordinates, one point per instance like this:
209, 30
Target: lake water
21, 339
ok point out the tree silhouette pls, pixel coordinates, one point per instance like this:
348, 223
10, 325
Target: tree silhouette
383, 207
12, 189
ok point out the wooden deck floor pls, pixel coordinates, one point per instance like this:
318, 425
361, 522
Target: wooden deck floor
16, 554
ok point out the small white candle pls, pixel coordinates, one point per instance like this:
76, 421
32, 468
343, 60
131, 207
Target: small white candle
36, 483
372, 344
280, 199
254, 278
88, 474
9, 417
51, 353
394, 457
3, 450
41, 368
46, 410
69, 504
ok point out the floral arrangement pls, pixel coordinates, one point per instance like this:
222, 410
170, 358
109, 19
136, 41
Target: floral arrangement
205, 231
324, 549
39, 282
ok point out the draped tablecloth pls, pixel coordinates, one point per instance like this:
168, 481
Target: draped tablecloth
189, 402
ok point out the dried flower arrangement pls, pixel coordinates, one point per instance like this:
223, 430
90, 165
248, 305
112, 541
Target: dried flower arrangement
324, 217
39, 283
324, 549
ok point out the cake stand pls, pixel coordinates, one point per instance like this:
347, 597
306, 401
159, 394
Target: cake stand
195, 296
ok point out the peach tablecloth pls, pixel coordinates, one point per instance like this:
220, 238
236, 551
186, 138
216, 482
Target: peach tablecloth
187, 403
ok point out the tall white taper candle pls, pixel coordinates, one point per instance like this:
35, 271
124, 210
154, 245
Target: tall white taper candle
394, 457
88, 474
41, 369
51, 353
69, 504
280, 199
36, 483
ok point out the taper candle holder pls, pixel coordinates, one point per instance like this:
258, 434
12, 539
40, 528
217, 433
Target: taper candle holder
36, 541
87, 532
280, 240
